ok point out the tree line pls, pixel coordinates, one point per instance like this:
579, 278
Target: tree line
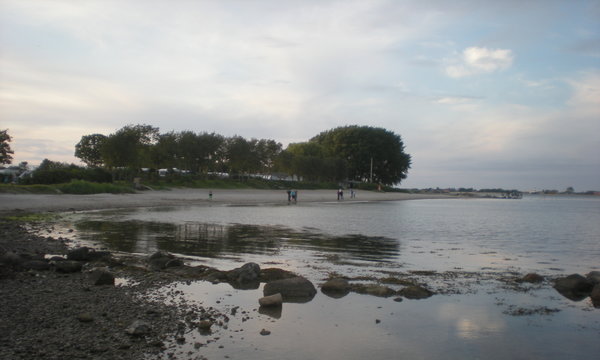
354, 153
349, 153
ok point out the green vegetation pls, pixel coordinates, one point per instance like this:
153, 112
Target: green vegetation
5, 150
140, 156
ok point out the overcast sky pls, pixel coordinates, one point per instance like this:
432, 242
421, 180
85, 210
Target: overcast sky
483, 93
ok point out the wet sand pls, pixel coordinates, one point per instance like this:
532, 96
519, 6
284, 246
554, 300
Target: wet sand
175, 197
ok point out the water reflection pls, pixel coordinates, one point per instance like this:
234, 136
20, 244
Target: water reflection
219, 240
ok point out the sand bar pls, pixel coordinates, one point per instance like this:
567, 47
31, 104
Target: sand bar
176, 197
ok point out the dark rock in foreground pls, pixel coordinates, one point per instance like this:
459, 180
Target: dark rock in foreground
271, 300
574, 287
102, 277
68, 266
246, 276
296, 289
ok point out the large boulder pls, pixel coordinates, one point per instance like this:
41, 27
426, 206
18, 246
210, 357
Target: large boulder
297, 289
574, 287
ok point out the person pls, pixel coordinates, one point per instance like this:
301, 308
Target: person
338, 194
210, 194
294, 195
289, 192
352, 193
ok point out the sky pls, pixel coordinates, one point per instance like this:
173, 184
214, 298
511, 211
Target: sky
484, 94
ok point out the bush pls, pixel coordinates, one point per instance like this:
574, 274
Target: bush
63, 175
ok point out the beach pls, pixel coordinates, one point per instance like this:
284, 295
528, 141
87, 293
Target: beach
176, 197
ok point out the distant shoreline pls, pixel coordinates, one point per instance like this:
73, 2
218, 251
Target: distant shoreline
10, 203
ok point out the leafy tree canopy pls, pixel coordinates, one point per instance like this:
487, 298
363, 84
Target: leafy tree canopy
5, 150
364, 147
89, 149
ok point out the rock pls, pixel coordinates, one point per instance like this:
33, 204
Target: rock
273, 311
271, 300
373, 289
138, 328
336, 285
264, 332
398, 299
595, 296
248, 273
532, 278
79, 254
158, 260
11, 259
205, 325
102, 277
574, 287
39, 265
85, 317
68, 266
415, 292
594, 277
98, 255
174, 263
272, 274
297, 289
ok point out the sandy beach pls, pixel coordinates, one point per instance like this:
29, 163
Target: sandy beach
65, 202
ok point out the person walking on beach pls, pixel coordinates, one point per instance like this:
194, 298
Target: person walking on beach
294, 195
289, 192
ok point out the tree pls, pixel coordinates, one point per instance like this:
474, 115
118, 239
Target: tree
89, 149
365, 147
130, 147
5, 150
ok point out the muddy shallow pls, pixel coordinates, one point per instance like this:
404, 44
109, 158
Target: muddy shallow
469, 253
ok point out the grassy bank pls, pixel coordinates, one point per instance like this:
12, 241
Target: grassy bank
78, 187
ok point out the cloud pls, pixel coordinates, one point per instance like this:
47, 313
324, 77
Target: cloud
480, 60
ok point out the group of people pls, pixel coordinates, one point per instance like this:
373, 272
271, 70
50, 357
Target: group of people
340, 193
292, 195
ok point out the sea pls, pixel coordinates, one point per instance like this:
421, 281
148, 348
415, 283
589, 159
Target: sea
469, 252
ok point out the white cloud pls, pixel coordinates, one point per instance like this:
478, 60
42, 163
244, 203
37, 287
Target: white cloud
480, 60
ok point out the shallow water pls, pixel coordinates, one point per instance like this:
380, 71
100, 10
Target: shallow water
549, 235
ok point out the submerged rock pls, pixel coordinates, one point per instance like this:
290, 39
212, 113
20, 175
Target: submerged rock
532, 278
415, 292
297, 289
373, 289
574, 287
159, 260
336, 285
